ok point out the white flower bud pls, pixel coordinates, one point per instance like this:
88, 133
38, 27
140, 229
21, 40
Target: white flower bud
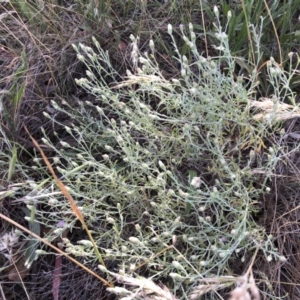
183, 194
80, 57
65, 144
170, 192
122, 272
143, 61
202, 60
40, 252
166, 233
95, 42
90, 74
177, 220
154, 117
118, 290
196, 182
85, 243
46, 115
107, 147
151, 45
110, 220
177, 265
155, 240
269, 258
105, 157
282, 258
174, 240
229, 15
134, 240
213, 248
52, 201
75, 47
176, 276
132, 38
216, 11
161, 164
45, 141
102, 268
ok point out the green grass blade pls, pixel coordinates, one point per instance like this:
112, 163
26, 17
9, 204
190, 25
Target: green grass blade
12, 163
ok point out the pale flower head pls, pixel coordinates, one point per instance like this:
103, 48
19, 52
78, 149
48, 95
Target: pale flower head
196, 182
8, 241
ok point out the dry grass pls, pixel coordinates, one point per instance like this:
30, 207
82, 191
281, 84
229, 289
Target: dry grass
282, 214
48, 68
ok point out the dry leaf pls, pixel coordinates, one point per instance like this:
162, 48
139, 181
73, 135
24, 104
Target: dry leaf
18, 271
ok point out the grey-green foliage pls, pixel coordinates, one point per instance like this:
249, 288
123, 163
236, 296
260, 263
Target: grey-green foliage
164, 163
